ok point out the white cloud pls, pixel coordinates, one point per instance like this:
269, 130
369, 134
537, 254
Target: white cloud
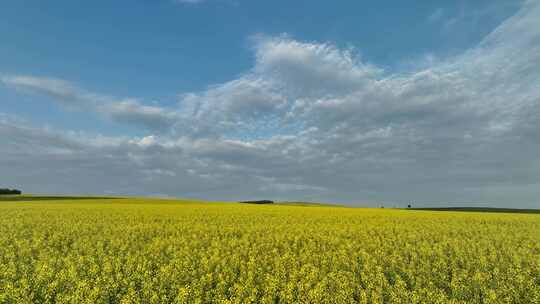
436, 15
311, 68
129, 110
133, 112
312, 121
61, 91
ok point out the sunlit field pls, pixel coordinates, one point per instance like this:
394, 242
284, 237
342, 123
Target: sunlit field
166, 251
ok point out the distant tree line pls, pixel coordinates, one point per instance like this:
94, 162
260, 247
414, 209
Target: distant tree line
9, 191
258, 202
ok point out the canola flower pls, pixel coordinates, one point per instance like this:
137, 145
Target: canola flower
152, 251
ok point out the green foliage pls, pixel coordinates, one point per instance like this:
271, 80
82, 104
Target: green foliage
137, 251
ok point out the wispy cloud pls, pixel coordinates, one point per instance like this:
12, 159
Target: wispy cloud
67, 94
437, 15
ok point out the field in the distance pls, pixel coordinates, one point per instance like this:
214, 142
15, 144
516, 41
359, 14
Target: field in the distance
106, 250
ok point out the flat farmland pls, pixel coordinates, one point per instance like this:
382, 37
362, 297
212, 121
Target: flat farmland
104, 250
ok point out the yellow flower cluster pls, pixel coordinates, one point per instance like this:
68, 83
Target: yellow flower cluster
150, 251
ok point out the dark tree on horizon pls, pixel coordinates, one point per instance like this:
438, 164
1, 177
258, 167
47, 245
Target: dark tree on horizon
10, 191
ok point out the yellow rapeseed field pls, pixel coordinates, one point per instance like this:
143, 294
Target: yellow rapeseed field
164, 251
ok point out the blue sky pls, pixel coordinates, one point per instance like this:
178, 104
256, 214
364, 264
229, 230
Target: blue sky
124, 78
156, 49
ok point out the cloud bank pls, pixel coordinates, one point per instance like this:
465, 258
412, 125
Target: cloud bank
310, 121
